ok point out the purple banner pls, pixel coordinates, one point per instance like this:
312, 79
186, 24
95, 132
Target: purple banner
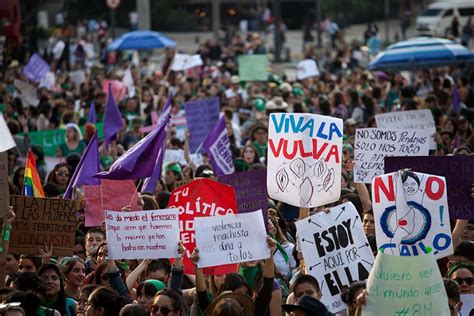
459, 174
201, 116
36, 68
250, 190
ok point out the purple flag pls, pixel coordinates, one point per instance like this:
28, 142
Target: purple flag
149, 184
139, 161
201, 116
217, 145
113, 122
86, 169
92, 117
457, 141
456, 100
36, 68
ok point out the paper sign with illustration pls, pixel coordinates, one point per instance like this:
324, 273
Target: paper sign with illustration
335, 251
304, 159
306, 69
415, 119
458, 171
143, 234
372, 145
405, 286
411, 214
231, 239
200, 198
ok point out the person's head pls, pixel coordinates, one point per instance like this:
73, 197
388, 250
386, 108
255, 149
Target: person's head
73, 133
173, 173
369, 222
83, 297
159, 270
146, 291
411, 182
29, 263
250, 154
463, 253
73, 270
11, 264
104, 301
94, 237
306, 285
462, 274
349, 296
306, 306
231, 304
133, 310
259, 134
454, 296
236, 283
28, 282
102, 253
52, 280
29, 302
60, 174
166, 303
79, 248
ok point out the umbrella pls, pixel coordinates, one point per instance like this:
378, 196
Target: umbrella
141, 40
421, 52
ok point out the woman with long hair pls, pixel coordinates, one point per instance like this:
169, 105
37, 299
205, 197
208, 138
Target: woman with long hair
54, 295
73, 270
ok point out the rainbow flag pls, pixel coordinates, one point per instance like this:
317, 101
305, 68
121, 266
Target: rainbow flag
32, 185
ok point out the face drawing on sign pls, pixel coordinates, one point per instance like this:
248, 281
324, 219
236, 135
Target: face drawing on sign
411, 183
306, 177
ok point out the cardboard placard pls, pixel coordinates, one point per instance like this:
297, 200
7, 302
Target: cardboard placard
304, 159
143, 234
335, 250
459, 174
109, 195
4, 187
371, 145
231, 239
411, 214
405, 286
40, 222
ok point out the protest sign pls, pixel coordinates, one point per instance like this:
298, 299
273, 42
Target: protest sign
371, 145
467, 304
335, 251
48, 81
119, 90
217, 147
250, 190
7, 139
200, 198
253, 67
231, 239
411, 214
201, 116
143, 234
415, 119
405, 286
4, 187
304, 159
78, 77
109, 195
40, 222
26, 92
36, 68
185, 61
174, 155
306, 69
458, 171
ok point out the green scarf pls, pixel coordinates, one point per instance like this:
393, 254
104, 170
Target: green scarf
249, 274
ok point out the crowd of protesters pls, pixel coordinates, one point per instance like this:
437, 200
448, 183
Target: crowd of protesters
88, 283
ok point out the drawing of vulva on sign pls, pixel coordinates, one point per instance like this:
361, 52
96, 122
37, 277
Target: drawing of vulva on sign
304, 159
411, 214
335, 251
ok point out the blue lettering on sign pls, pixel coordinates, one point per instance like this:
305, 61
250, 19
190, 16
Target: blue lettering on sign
286, 123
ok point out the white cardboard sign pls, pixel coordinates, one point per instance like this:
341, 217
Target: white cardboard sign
232, 238
142, 234
335, 250
372, 145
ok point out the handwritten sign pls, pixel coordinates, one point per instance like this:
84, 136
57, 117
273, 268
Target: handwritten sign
458, 171
40, 222
411, 214
304, 159
231, 239
142, 234
4, 187
467, 304
335, 251
250, 190
200, 198
373, 144
416, 119
201, 116
109, 195
253, 67
405, 286
306, 69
